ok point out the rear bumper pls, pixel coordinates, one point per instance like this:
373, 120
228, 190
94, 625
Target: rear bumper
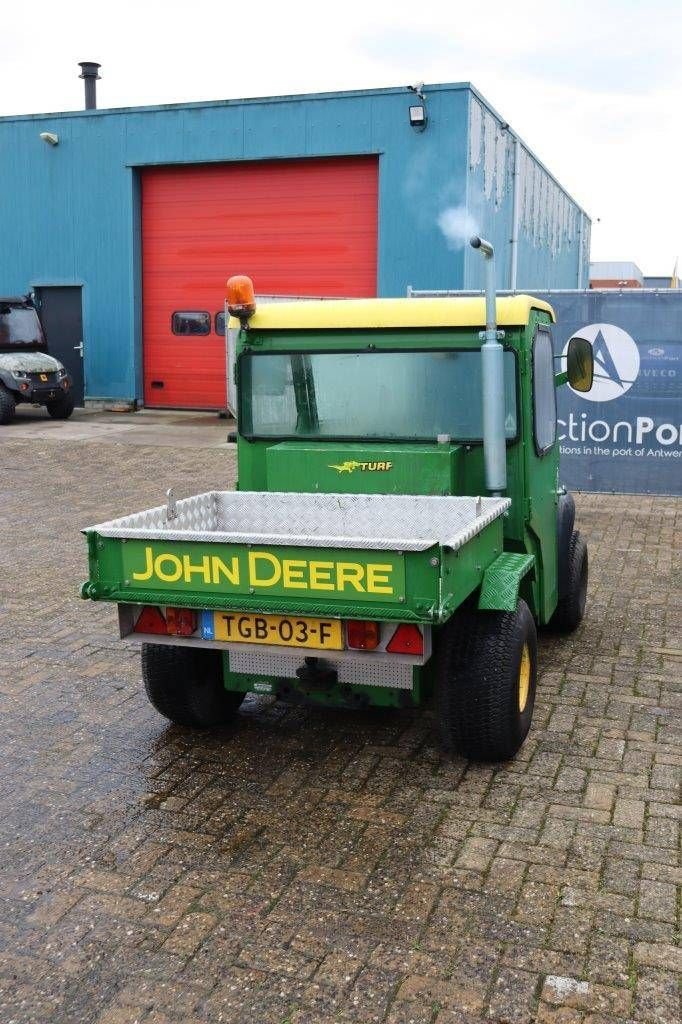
348, 666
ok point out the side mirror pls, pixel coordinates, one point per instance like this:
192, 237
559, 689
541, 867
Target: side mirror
579, 364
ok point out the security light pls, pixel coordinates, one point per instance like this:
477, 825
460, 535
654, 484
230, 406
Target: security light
418, 117
50, 137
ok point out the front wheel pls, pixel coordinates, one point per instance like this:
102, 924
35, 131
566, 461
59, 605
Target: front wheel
486, 673
185, 684
7, 406
571, 607
61, 408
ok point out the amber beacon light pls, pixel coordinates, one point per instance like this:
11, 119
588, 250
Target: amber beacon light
241, 300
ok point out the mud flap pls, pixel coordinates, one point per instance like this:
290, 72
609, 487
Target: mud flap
501, 581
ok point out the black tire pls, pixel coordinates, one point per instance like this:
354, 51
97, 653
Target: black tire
486, 673
571, 607
185, 684
565, 525
61, 408
8, 406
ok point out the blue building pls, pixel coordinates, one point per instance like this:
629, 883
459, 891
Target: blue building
126, 222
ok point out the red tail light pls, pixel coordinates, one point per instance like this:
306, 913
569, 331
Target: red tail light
181, 621
407, 639
361, 635
151, 620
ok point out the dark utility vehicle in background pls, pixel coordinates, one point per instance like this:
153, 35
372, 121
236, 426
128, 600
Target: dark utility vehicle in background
27, 372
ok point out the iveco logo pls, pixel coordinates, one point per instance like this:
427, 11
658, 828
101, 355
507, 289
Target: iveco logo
616, 361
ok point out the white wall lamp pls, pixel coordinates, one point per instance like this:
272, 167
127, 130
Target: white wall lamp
51, 138
418, 116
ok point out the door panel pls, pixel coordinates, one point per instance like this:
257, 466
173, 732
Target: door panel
297, 227
61, 314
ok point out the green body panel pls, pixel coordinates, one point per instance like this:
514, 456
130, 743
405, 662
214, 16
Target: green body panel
425, 586
463, 569
395, 586
539, 494
363, 468
501, 582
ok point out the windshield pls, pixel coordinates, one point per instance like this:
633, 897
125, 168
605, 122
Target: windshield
20, 326
409, 396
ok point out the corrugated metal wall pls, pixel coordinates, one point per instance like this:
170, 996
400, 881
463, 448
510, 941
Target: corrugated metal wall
71, 213
551, 231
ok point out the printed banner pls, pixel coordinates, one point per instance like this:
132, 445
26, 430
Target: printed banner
626, 433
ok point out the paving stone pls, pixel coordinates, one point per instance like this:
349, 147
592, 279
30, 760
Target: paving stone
657, 999
464, 998
658, 900
629, 812
311, 866
513, 997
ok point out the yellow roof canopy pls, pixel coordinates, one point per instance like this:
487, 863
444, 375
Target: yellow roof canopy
467, 311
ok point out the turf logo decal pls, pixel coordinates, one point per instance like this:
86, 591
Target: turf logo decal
351, 465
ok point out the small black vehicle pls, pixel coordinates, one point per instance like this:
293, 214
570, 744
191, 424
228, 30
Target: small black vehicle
27, 372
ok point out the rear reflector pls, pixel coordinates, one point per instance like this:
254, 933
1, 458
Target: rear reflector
181, 621
407, 639
150, 621
362, 635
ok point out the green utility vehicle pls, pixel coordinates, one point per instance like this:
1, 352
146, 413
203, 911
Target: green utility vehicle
398, 528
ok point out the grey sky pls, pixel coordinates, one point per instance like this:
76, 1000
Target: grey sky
595, 88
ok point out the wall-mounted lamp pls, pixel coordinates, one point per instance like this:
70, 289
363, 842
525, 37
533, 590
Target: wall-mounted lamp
51, 138
418, 116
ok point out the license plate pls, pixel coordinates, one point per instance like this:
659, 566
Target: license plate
280, 630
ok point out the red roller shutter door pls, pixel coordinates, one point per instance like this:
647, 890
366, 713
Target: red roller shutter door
297, 227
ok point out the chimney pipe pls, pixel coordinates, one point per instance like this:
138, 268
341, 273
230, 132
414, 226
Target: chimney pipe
90, 75
492, 359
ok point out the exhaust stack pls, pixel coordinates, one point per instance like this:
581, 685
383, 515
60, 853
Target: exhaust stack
492, 375
90, 75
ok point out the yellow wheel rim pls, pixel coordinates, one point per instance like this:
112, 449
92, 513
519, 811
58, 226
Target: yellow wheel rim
524, 677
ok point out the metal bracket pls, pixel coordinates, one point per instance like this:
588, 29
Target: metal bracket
171, 507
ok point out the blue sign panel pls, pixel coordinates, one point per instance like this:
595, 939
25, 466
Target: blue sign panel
626, 434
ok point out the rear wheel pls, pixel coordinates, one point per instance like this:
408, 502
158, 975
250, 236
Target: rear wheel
7, 406
571, 607
61, 408
185, 684
486, 672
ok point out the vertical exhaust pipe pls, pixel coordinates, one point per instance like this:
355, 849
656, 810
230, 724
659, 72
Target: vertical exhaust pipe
90, 75
492, 375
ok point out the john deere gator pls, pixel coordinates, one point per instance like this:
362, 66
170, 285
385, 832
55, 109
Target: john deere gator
398, 530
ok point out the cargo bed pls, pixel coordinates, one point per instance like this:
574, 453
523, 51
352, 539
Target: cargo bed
407, 557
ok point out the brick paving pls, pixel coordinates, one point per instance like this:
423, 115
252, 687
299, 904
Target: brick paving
313, 866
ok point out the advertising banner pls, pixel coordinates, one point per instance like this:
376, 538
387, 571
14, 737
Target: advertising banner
626, 433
